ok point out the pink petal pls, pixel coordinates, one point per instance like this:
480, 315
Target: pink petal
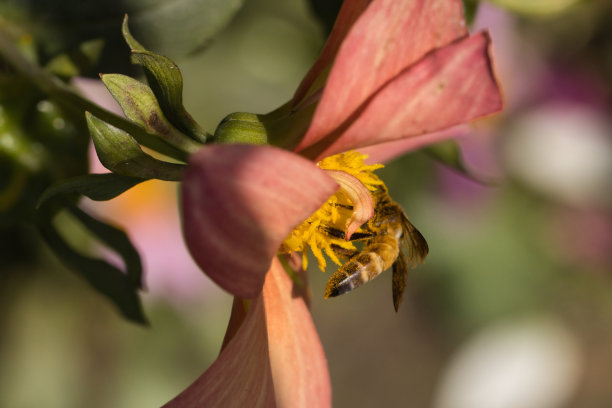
241, 376
389, 36
385, 152
450, 86
349, 12
299, 367
239, 203
275, 358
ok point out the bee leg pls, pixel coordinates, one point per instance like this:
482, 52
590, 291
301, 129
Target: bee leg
338, 233
400, 273
333, 232
362, 236
343, 252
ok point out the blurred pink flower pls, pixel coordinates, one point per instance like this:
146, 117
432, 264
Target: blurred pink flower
390, 70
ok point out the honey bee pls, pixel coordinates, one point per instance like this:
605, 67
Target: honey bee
390, 240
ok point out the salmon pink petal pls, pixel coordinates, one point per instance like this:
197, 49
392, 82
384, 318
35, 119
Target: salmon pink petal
389, 36
274, 360
385, 152
349, 12
240, 202
299, 366
241, 376
450, 86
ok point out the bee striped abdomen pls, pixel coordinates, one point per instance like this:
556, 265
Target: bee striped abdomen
375, 258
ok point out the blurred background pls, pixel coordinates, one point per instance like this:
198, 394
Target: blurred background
513, 308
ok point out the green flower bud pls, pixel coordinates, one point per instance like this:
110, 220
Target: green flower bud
241, 127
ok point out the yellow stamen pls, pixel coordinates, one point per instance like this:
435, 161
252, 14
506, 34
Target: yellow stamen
335, 213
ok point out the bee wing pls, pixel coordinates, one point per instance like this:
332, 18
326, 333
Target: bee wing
400, 273
416, 250
414, 243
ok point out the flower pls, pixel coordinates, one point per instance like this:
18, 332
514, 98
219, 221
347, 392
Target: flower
390, 70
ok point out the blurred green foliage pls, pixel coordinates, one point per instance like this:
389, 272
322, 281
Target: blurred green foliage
40, 143
174, 28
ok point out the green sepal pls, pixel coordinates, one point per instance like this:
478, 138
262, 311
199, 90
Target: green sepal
121, 154
102, 276
286, 125
449, 154
139, 104
166, 81
127, 36
98, 187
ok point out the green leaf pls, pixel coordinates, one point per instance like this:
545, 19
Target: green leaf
139, 104
449, 154
115, 239
103, 277
173, 27
179, 27
98, 187
122, 155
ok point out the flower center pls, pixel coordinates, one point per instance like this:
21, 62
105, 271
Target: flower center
327, 230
